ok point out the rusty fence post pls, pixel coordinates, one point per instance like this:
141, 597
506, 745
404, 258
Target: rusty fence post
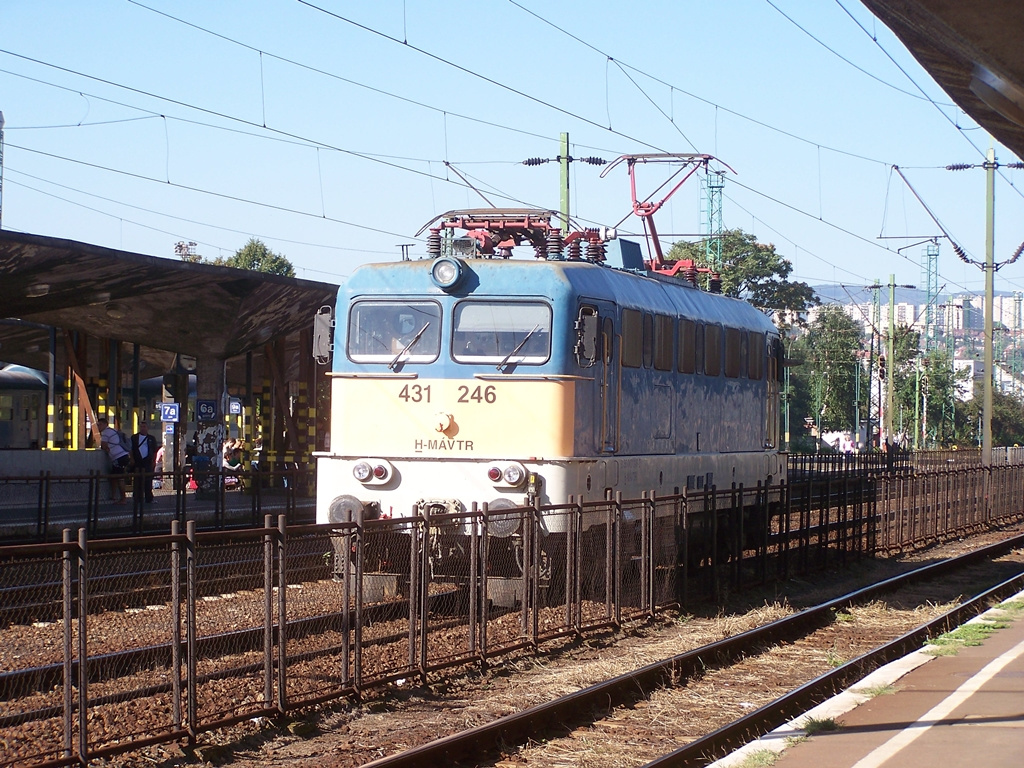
282, 614
191, 595
176, 622
268, 610
67, 589
83, 645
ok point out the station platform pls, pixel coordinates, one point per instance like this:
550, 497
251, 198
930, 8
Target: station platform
957, 710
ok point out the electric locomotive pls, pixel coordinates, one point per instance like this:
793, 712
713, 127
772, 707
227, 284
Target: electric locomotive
472, 377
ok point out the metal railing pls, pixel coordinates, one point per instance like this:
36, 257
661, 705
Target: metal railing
112, 644
38, 508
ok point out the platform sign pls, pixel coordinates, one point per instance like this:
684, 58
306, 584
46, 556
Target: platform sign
206, 410
234, 407
170, 412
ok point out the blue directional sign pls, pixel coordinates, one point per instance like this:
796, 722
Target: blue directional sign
206, 410
234, 406
169, 412
169, 428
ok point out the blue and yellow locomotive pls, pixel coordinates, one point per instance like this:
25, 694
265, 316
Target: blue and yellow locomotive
484, 378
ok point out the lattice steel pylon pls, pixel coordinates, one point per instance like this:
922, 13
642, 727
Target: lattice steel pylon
713, 182
930, 280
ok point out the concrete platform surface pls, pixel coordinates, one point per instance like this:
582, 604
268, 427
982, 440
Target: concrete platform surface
947, 711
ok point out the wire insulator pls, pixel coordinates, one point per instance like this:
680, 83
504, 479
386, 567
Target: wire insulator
1018, 166
690, 272
536, 161
960, 253
434, 244
592, 160
554, 244
1016, 255
959, 167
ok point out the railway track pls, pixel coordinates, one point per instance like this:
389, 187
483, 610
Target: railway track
597, 708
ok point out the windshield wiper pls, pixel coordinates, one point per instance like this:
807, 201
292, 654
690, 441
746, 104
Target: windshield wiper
519, 346
408, 346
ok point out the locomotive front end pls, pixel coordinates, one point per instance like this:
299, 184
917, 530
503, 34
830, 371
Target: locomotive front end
445, 403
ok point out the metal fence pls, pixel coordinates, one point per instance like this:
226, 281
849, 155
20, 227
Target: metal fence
111, 644
38, 508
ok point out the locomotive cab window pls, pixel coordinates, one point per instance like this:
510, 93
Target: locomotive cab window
502, 331
381, 331
588, 336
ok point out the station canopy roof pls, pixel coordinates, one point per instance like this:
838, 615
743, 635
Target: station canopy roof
195, 309
974, 51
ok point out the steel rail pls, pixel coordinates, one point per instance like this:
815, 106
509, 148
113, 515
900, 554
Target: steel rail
576, 708
708, 748
108, 666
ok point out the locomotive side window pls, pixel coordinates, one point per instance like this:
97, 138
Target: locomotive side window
380, 330
607, 335
755, 355
687, 346
501, 332
713, 350
698, 349
632, 339
733, 352
588, 336
648, 340
664, 342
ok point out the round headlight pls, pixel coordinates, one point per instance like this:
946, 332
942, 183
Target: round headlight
446, 272
362, 471
514, 474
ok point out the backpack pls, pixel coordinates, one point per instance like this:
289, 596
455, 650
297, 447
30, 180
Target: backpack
125, 442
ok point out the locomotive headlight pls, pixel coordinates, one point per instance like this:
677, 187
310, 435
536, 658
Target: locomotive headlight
511, 475
447, 272
514, 474
373, 471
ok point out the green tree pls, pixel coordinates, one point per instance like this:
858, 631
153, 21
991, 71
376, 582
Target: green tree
755, 272
1007, 419
823, 383
256, 256
941, 389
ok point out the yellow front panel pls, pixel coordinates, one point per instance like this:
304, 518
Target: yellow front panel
462, 418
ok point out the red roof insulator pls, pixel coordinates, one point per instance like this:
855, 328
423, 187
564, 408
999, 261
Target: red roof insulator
595, 250
575, 250
554, 244
690, 272
715, 283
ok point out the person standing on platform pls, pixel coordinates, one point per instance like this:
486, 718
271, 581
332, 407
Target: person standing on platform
110, 441
144, 462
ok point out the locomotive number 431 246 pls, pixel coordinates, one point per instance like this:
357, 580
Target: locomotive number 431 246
417, 393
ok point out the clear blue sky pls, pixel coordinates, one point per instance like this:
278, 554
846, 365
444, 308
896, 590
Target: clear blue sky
323, 127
